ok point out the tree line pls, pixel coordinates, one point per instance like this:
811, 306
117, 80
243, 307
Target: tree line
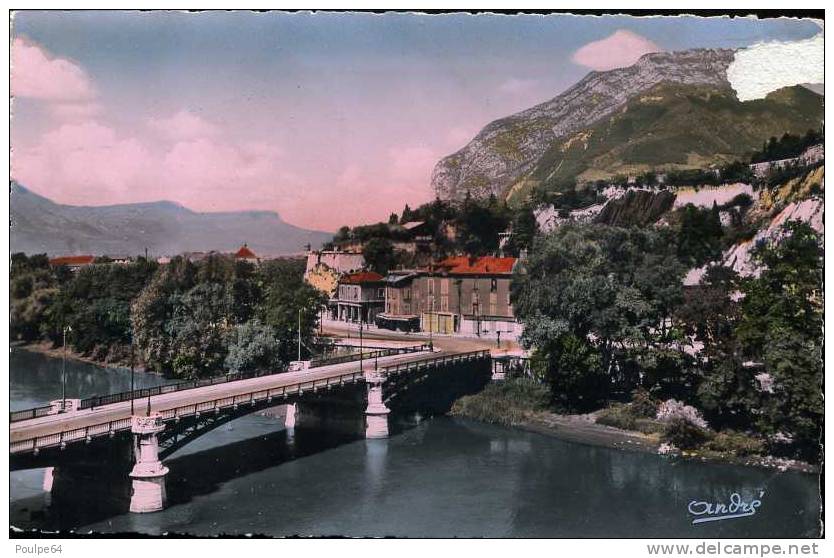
183, 319
608, 315
471, 226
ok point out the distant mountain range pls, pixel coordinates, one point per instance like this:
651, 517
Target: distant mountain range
669, 110
39, 225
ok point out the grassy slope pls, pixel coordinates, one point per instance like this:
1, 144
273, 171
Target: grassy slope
674, 126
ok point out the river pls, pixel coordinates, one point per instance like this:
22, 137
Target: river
441, 477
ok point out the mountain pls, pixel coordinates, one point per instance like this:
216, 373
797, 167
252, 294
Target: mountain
164, 228
673, 127
613, 112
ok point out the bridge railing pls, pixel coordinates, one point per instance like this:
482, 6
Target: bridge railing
439, 360
110, 428
27, 414
99, 400
379, 353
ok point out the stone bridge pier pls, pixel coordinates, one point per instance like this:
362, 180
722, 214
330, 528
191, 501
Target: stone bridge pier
148, 474
376, 413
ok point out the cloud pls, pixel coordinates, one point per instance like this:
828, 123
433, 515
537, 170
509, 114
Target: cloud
622, 48
84, 162
183, 125
92, 163
74, 111
766, 67
38, 75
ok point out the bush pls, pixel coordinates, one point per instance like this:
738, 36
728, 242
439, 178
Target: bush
683, 434
648, 426
637, 415
735, 443
673, 410
642, 404
505, 403
618, 416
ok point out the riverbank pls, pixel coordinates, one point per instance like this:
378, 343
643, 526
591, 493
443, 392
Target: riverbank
46, 348
523, 405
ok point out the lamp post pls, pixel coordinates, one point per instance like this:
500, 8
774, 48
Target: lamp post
361, 350
131, 372
64, 372
299, 334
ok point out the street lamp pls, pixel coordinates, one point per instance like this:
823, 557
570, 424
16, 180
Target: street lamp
431, 325
64, 372
132, 359
299, 334
361, 350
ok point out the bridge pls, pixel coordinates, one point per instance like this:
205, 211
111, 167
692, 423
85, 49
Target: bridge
145, 426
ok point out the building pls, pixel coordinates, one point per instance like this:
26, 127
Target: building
72, 262
462, 294
359, 297
400, 313
247, 255
325, 267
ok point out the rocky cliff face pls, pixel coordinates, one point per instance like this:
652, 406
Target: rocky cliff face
508, 148
637, 207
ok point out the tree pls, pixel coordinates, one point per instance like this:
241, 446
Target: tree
197, 333
286, 296
781, 327
379, 255
253, 347
710, 316
524, 229
32, 289
699, 235
602, 297
181, 320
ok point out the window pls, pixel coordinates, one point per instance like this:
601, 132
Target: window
493, 285
381, 293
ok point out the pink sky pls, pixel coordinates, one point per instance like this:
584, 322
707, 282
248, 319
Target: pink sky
325, 120
84, 155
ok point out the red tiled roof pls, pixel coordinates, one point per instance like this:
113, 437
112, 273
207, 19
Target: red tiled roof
485, 265
361, 277
72, 260
245, 252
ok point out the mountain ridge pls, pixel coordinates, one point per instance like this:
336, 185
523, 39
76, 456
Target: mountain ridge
512, 155
39, 224
507, 147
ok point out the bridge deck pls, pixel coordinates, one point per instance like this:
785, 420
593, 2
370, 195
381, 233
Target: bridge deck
54, 429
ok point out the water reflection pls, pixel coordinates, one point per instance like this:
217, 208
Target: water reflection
440, 477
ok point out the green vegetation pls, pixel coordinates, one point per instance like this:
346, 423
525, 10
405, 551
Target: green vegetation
605, 310
787, 147
185, 319
506, 403
682, 130
699, 236
471, 226
32, 290
595, 301
379, 255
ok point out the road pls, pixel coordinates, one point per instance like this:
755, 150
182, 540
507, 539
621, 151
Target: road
443, 342
65, 422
